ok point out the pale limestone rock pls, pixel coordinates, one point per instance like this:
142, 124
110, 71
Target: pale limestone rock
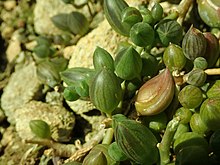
103, 36
22, 87
60, 120
9, 4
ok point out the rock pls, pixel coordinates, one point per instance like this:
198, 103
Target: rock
10, 4
13, 49
22, 87
59, 119
43, 12
103, 36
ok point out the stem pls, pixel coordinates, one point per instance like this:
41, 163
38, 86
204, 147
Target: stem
182, 9
63, 150
108, 136
164, 146
213, 71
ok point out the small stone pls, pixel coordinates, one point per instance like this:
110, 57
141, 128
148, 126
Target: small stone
14, 48
60, 120
9, 4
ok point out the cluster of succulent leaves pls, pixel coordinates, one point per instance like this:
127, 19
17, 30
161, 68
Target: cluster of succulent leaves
49, 62
176, 104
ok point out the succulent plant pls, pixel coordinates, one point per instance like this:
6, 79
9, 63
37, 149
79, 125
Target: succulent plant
157, 12
105, 91
194, 44
192, 155
190, 97
209, 12
113, 12
182, 128
200, 63
157, 122
116, 153
147, 15
155, 95
142, 34
212, 49
74, 22
184, 114
209, 113
196, 77
169, 31
131, 16
70, 94
174, 58
135, 140
149, 65
128, 64
40, 128
197, 125
214, 142
101, 59
189, 139
214, 90
98, 156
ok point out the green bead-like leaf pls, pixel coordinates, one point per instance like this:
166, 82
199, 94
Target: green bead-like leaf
196, 77
147, 15
197, 125
60, 21
157, 12
116, 153
131, 16
105, 91
190, 97
184, 114
157, 122
149, 65
113, 11
192, 155
210, 113
200, 62
73, 76
74, 22
142, 34
194, 44
42, 51
48, 73
135, 140
82, 88
214, 91
40, 128
214, 142
101, 59
77, 23
209, 12
70, 94
169, 31
99, 156
189, 139
174, 58
128, 64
